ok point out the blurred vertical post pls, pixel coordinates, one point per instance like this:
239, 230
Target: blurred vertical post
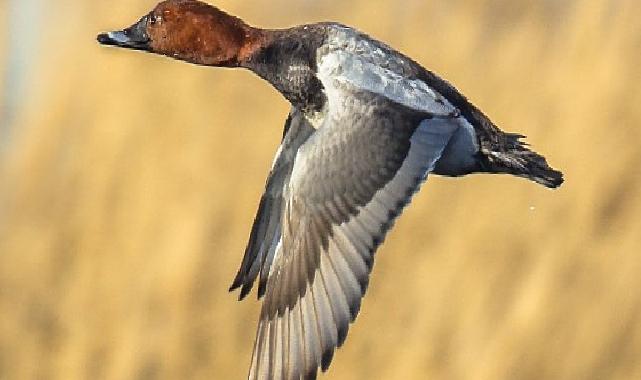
23, 37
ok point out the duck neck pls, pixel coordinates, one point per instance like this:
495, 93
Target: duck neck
287, 60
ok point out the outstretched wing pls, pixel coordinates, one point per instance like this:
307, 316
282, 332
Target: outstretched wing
349, 182
266, 230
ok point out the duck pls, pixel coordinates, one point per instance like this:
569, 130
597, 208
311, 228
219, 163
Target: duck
367, 126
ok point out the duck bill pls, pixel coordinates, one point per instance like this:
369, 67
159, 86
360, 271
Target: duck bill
135, 37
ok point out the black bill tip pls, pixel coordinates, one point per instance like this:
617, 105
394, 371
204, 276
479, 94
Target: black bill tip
104, 39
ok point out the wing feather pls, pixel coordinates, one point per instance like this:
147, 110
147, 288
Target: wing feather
266, 230
337, 210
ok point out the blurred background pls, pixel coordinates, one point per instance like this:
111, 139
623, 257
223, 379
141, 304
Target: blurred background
128, 185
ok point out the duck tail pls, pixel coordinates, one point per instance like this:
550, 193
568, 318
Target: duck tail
514, 157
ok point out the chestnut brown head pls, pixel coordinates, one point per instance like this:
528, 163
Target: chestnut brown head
188, 30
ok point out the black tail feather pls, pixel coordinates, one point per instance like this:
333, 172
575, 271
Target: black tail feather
514, 157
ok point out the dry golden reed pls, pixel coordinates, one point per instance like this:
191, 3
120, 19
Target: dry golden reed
129, 186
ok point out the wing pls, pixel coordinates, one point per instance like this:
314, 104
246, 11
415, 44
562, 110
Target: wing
266, 230
350, 180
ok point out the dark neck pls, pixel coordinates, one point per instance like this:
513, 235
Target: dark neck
287, 60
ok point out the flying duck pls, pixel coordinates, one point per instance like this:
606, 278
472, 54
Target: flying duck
367, 126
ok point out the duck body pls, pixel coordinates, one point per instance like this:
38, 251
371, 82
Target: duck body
318, 67
366, 128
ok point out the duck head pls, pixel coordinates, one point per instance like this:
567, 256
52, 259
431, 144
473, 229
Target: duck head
191, 31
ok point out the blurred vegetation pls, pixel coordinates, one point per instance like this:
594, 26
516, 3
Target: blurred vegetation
129, 185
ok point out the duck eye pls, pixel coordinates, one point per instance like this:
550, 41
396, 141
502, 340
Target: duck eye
153, 19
